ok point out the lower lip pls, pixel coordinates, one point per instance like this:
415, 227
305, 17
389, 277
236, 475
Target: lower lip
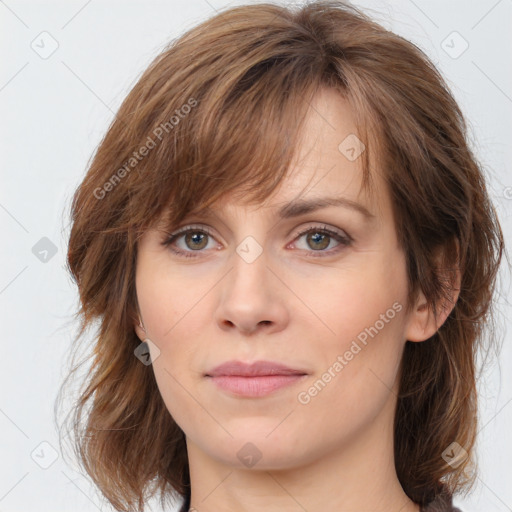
255, 386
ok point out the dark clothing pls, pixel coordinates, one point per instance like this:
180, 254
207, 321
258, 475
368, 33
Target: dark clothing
443, 503
186, 505
438, 505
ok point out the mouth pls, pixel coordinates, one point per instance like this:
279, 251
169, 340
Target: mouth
254, 379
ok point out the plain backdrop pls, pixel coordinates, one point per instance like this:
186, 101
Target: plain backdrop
65, 68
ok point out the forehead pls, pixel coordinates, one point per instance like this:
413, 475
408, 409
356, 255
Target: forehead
327, 165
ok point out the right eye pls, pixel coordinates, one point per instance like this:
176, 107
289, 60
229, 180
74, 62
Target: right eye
195, 239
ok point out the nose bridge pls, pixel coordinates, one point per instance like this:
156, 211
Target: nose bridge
249, 297
250, 256
249, 267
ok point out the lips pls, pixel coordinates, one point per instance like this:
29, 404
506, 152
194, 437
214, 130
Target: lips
255, 369
254, 380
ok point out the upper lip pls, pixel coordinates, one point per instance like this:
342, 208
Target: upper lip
257, 368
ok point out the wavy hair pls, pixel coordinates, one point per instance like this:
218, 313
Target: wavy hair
220, 111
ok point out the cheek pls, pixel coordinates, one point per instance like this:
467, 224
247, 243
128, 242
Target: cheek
357, 385
361, 354
364, 355
172, 313
363, 306
169, 299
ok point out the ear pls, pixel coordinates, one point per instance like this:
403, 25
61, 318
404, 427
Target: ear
422, 323
141, 333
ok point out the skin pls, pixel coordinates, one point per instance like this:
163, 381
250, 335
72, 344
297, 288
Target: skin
336, 451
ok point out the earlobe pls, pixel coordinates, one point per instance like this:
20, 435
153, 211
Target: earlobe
140, 330
423, 324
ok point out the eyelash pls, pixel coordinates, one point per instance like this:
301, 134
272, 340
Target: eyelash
344, 241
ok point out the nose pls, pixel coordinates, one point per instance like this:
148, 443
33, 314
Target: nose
251, 298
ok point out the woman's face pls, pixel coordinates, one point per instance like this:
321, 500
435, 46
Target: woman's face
330, 305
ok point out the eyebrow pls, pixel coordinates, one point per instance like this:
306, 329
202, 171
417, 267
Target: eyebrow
303, 206
300, 207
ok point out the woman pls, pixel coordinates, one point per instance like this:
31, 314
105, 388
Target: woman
291, 252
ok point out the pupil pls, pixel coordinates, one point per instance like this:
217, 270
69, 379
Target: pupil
316, 237
196, 238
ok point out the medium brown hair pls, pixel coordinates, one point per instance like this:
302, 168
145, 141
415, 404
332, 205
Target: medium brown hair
220, 110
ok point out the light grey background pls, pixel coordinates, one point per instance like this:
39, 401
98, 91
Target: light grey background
55, 109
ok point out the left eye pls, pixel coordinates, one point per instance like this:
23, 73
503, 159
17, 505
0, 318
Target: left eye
321, 238
318, 237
